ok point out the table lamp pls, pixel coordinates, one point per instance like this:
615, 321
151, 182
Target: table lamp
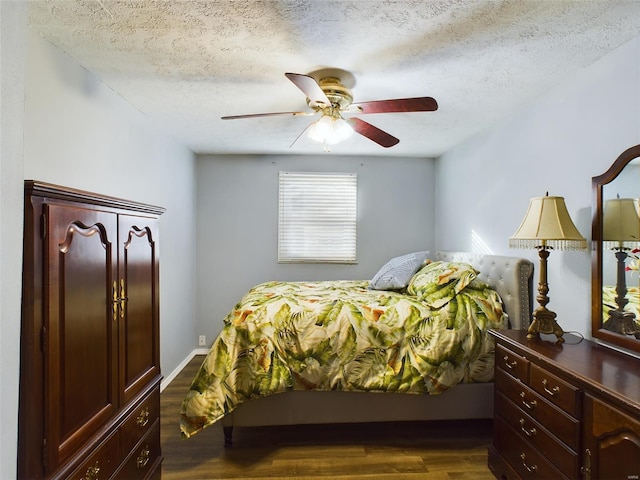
546, 226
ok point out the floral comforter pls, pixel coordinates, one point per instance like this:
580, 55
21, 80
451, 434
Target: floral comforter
341, 335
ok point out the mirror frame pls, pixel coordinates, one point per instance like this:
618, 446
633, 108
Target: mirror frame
624, 341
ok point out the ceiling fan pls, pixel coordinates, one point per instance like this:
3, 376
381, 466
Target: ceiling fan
331, 98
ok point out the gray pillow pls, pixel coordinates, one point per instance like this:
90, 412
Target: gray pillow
397, 272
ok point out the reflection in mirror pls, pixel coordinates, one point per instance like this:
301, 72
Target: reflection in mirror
620, 235
616, 252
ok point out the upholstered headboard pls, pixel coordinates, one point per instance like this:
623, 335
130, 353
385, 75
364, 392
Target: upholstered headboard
512, 277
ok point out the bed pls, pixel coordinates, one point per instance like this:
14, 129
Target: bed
414, 351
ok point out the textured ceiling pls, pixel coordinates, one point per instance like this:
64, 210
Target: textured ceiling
187, 63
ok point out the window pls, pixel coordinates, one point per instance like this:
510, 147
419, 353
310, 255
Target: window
317, 217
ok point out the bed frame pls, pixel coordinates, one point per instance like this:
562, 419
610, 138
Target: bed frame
512, 279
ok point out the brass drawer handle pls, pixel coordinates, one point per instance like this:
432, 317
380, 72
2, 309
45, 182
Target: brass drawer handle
508, 364
143, 417
530, 405
119, 301
123, 298
586, 469
116, 301
92, 473
529, 432
530, 469
143, 458
553, 392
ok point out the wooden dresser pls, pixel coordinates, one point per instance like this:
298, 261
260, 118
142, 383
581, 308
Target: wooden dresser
564, 411
90, 355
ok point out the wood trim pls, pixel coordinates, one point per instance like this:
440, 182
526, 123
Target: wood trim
49, 190
598, 182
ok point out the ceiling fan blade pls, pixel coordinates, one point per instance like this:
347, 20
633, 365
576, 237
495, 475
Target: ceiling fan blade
417, 104
373, 133
272, 114
309, 87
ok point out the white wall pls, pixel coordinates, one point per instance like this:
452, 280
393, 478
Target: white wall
79, 133
237, 225
12, 52
61, 125
557, 143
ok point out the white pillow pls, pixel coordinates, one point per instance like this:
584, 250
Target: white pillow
397, 272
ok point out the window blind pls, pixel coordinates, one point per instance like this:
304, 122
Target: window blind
317, 217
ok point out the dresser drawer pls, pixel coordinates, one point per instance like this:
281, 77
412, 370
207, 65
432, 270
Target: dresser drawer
554, 389
101, 463
532, 432
563, 426
513, 363
522, 456
145, 458
140, 420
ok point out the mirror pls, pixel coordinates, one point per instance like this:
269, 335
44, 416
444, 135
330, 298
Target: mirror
615, 277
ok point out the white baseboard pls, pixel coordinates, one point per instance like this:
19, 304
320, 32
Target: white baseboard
168, 378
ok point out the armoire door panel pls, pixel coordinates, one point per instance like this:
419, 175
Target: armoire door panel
138, 270
81, 335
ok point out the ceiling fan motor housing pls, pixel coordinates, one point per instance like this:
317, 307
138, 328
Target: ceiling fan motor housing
339, 95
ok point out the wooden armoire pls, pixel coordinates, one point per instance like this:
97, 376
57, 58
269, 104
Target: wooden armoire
90, 356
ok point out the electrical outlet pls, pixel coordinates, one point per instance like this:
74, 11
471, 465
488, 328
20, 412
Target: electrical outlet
202, 340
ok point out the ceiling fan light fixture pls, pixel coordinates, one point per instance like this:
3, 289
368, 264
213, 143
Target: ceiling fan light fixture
329, 95
330, 130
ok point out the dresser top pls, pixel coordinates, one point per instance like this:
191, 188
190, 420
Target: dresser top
590, 365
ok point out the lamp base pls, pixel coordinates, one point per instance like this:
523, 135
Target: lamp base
622, 322
544, 321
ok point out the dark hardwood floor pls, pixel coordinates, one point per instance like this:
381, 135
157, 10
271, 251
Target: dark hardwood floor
422, 450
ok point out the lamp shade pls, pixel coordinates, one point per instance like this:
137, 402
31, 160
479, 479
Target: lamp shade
547, 223
621, 222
